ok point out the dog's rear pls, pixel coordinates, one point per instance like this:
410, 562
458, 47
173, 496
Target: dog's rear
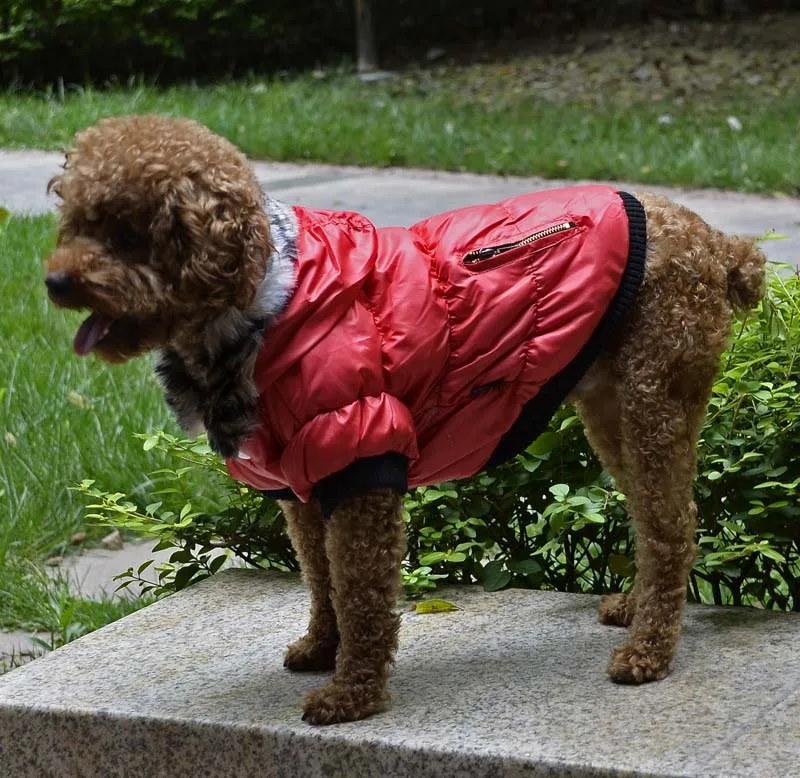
644, 406
682, 243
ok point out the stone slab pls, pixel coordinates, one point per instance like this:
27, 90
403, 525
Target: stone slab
403, 196
513, 685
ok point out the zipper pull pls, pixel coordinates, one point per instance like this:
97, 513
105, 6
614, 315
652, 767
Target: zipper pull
478, 255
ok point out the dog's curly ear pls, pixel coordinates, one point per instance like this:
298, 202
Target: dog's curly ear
221, 242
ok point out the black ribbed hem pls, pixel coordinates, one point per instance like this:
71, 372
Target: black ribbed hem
536, 413
279, 494
386, 471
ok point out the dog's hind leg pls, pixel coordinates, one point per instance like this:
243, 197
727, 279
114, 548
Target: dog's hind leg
597, 402
365, 539
662, 412
316, 650
665, 361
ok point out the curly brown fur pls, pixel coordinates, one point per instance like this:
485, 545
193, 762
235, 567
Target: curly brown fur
158, 216
165, 233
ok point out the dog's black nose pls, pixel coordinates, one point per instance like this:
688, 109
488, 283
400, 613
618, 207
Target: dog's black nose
58, 284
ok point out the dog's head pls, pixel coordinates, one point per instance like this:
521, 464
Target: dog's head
161, 226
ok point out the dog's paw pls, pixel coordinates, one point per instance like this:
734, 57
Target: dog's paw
337, 702
617, 609
634, 663
305, 655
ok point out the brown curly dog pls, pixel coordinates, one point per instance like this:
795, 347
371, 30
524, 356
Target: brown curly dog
166, 237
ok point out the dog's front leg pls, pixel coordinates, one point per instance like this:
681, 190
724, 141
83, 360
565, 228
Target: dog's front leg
316, 650
365, 541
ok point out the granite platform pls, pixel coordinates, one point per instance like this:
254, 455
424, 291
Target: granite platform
511, 685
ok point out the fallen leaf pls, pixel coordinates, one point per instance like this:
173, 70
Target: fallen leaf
435, 606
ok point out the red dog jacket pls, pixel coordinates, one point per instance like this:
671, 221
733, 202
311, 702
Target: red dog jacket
408, 357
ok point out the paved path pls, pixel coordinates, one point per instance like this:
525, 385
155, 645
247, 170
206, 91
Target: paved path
402, 196
91, 573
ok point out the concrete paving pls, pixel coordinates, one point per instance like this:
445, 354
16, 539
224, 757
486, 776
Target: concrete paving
402, 196
92, 572
512, 685
18, 647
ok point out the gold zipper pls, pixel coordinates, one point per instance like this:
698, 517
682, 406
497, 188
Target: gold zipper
481, 255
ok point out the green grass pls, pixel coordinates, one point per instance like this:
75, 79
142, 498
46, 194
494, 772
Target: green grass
449, 123
62, 419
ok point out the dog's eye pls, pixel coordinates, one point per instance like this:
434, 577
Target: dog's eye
128, 239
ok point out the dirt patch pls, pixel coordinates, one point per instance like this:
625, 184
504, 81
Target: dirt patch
749, 59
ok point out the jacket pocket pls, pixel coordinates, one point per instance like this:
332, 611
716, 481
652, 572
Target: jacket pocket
489, 257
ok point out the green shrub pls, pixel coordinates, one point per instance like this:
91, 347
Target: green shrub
553, 519
243, 524
43, 40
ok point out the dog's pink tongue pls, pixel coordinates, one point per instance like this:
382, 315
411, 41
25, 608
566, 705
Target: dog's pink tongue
90, 332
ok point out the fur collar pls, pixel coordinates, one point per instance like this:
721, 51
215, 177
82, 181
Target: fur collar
210, 386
